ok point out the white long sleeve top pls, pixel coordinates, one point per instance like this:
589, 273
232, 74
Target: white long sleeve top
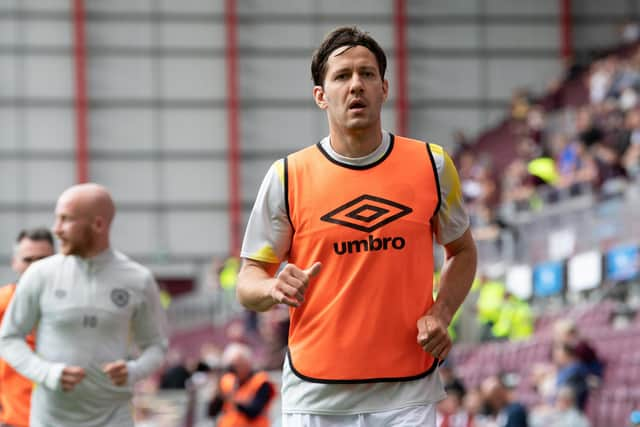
87, 313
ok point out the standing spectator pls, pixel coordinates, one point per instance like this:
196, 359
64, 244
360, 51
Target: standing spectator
491, 296
89, 303
15, 390
515, 321
373, 241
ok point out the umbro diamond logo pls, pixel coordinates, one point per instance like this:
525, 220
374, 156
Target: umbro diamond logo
367, 213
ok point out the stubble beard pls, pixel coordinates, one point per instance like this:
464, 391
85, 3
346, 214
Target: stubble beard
82, 246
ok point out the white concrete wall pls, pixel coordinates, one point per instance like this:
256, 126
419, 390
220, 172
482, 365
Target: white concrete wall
157, 87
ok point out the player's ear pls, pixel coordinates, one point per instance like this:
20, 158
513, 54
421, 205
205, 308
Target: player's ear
320, 97
385, 89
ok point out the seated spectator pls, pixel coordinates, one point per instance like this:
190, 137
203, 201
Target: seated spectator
571, 372
566, 154
476, 408
631, 159
566, 331
564, 413
599, 80
520, 103
517, 186
449, 377
631, 150
504, 411
451, 411
629, 31
577, 168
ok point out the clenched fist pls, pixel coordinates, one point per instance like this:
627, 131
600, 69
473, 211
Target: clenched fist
291, 283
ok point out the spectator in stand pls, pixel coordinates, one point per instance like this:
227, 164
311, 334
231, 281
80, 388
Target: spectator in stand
631, 155
571, 372
504, 410
599, 80
609, 166
536, 124
517, 187
587, 129
566, 154
629, 31
478, 188
624, 77
566, 331
518, 184
461, 144
564, 413
451, 411
520, 103
448, 375
574, 163
469, 171
475, 406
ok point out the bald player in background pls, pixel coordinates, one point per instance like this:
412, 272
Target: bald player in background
15, 390
89, 302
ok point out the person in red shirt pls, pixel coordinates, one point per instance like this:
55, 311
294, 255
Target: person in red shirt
15, 390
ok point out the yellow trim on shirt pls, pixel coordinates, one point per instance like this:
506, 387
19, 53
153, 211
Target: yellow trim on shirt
265, 254
279, 167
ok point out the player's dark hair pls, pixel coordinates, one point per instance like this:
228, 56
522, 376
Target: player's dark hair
344, 36
39, 234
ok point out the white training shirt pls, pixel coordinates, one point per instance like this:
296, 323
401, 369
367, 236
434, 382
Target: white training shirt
87, 313
268, 239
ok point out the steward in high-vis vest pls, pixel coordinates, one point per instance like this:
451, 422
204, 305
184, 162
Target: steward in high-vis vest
244, 396
15, 390
515, 321
490, 300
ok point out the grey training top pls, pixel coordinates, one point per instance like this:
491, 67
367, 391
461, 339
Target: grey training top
87, 313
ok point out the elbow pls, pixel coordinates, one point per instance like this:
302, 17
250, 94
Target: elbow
241, 297
242, 293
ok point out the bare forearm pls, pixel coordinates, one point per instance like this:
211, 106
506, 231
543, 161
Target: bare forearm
254, 285
456, 277
259, 290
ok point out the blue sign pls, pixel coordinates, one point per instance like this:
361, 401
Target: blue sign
623, 263
548, 279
